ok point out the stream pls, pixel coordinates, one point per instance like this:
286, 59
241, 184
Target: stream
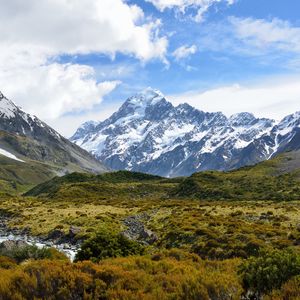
7, 234
69, 250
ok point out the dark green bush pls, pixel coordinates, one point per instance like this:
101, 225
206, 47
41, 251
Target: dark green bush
106, 244
269, 271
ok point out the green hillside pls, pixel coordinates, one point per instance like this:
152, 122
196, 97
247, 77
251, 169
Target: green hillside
16, 177
122, 184
265, 181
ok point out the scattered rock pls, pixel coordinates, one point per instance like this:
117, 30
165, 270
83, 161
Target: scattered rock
10, 245
137, 231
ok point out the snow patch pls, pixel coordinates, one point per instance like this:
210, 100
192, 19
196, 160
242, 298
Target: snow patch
9, 155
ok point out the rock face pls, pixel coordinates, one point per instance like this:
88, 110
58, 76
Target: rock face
27, 137
148, 134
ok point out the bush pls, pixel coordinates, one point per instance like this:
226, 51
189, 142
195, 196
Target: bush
107, 244
168, 275
290, 290
7, 262
269, 271
20, 254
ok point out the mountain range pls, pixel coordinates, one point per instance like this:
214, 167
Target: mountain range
31, 151
149, 134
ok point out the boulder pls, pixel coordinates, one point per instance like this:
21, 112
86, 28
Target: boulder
10, 245
55, 234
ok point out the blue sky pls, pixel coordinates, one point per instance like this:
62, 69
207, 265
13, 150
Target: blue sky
218, 55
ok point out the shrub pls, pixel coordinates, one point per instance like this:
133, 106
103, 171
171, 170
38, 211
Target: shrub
169, 275
290, 290
19, 254
7, 262
269, 271
106, 244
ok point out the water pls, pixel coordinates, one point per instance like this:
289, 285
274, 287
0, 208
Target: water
69, 250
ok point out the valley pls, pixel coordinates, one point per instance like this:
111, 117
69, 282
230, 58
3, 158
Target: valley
71, 228
183, 224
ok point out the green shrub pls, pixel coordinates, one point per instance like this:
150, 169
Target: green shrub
269, 271
20, 254
106, 244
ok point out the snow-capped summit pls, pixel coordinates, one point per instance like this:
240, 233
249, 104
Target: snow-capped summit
149, 134
7, 107
242, 119
148, 96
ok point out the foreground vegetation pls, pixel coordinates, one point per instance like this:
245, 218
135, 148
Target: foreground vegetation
213, 236
170, 274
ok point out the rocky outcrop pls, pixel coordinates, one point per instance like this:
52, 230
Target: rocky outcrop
136, 230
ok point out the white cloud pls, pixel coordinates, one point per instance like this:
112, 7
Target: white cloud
262, 34
34, 33
184, 52
52, 90
201, 6
68, 124
274, 99
50, 28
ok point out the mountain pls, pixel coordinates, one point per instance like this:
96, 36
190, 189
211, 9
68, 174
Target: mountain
31, 151
148, 134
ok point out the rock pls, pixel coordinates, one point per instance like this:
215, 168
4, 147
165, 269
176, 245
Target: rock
10, 245
73, 231
55, 234
298, 227
137, 231
148, 236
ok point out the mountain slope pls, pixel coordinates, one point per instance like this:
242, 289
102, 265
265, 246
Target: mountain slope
27, 142
269, 180
148, 134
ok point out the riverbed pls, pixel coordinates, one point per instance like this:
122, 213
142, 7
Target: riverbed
69, 250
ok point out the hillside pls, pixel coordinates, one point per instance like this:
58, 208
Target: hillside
120, 184
215, 218
34, 152
276, 179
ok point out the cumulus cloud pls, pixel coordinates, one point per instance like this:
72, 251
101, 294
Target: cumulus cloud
201, 6
34, 33
184, 52
52, 90
55, 27
273, 98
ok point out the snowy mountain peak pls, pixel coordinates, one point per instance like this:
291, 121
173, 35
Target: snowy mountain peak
7, 108
242, 119
288, 123
148, 134
147, 97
